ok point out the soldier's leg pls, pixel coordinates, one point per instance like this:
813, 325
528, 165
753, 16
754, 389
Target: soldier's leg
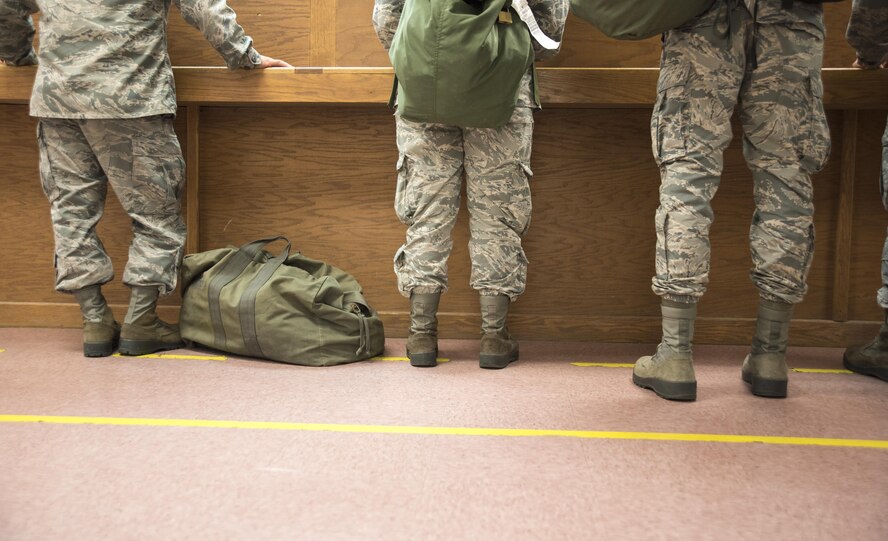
872, 358
786, 140
498, 190
76, 186
144, 164
700, 74
426, 201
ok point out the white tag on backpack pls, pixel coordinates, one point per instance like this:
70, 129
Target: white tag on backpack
526, 15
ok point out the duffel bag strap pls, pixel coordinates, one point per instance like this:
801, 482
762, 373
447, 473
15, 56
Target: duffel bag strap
230, 270
246, 309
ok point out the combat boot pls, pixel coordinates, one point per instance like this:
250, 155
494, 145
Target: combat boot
143, 332
100, 331
498, 348
764, 369
670, 371
422, 344
870, 359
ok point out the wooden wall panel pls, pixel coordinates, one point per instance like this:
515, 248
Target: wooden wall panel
356, 41
323, 176
870, 220
26, 229
279, 29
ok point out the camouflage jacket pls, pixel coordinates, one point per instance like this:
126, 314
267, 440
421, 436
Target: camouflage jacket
108, 58
868, 30
550, 15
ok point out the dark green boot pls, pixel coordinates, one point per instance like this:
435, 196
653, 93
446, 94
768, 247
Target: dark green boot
100, 331
764, 369
143, 332
498, 348
870, 359
670, 371
422, 344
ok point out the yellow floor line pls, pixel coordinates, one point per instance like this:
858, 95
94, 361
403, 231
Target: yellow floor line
401, 359
444, 431
176, 357
606, 365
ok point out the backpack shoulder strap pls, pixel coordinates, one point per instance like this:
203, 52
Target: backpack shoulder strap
526, 15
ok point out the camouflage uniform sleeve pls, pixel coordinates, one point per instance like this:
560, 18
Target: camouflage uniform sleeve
218, 23
17, 32
551, 15
868, 30
386, 14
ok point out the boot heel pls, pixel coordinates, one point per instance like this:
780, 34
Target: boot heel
423, 360
769, 388
98, 349
496, 362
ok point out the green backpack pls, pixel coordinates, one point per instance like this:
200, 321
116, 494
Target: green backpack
286, 308
638, 19
456, 64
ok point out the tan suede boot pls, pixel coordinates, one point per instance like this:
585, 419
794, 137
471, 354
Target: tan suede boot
764, 369
100, 331
498, 348
422, 344
870, 359
143, 332
670, 371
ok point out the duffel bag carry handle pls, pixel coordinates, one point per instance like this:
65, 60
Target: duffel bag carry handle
228, 272
246, 308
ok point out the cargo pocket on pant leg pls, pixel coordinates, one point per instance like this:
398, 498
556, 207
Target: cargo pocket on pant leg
671, 119
47, 178
405, 198
814, 144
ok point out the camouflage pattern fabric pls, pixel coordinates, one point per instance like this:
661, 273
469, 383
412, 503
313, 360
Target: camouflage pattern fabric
108, 58
769, 66
868, 34
496, 164
142, 160
868, 30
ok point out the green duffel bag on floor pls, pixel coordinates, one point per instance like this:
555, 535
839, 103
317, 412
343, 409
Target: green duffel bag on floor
638, 19
286, 308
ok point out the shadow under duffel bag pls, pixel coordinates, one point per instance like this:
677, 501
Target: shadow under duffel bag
286, 308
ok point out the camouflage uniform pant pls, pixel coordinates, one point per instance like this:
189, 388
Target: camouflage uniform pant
142, 160
496, 162
709, 66
883, 186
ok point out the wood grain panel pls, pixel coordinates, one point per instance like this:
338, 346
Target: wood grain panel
356, 41
323, 32
279, 29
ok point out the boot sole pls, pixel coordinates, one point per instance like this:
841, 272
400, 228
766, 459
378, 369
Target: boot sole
497, 362
98, 349
685, 391
881, 373
144, 347
423, 360
768, 388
